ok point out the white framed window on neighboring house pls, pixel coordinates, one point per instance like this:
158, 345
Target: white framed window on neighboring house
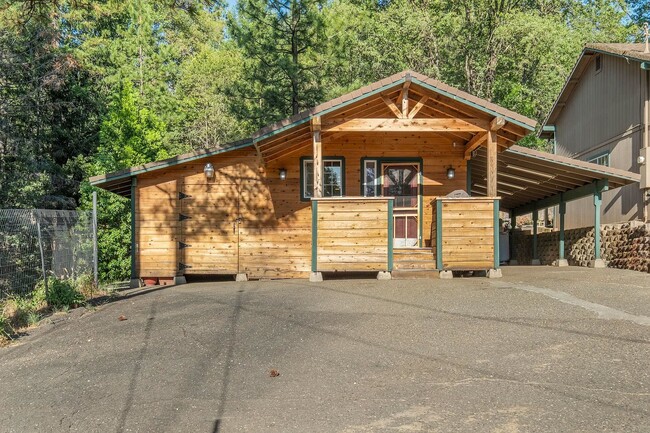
333, 177
601, 159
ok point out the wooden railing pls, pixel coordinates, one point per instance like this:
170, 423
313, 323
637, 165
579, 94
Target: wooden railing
465, 233
352, 234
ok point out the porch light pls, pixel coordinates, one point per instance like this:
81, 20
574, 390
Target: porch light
283, 174
208, 170
451, 173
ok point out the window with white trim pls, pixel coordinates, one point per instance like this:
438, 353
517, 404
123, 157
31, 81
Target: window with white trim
370, 179
602, 159
333, 178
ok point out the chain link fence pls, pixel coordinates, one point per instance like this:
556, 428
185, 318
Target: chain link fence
37, 243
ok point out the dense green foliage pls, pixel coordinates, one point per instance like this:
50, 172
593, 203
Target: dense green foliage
93, 87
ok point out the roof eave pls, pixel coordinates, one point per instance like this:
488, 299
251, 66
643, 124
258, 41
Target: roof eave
587, 49
103, 179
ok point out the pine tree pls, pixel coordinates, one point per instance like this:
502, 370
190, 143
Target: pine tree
282, 41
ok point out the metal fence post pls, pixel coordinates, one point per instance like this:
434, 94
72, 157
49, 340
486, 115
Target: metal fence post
40, 246
95, 251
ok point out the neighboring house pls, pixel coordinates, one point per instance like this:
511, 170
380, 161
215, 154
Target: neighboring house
600, 117
355, 184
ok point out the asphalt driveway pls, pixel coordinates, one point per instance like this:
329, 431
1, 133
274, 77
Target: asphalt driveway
540, 350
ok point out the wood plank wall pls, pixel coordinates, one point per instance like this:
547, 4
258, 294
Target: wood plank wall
467, 233
352, 235
274, 237
437, 152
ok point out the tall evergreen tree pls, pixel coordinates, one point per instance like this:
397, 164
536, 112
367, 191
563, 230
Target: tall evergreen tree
283, 43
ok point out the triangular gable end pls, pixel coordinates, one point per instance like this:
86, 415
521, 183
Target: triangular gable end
405, 102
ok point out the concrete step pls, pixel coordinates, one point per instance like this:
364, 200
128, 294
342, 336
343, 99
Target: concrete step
412, 254
414, 264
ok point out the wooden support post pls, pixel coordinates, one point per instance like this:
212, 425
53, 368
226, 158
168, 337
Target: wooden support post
318, 157
405, 103
403, 98
598, 261
491, 164
439, 234
469, 177
535, 254
562, 211
496, 271
497, 233
314, 276
645, 151
314, 236
391, 229
511, 243
561, 260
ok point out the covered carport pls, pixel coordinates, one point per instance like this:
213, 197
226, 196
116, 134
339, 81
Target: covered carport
529, 180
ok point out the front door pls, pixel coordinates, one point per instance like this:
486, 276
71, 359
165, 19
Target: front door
402, 182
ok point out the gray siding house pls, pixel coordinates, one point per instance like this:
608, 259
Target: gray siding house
600, 116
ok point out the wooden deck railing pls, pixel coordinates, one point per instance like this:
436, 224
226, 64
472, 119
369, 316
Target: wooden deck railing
465, 233
352, 234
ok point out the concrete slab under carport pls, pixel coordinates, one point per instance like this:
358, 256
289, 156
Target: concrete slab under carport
468, 354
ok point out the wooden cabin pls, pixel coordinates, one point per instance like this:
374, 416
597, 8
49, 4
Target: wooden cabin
359, 183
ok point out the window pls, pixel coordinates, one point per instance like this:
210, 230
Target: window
602, 159
333, 174
370, 182
598, 64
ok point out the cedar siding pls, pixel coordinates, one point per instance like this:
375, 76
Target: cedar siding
274, 236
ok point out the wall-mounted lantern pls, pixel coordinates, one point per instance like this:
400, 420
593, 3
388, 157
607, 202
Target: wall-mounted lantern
283, 174
208, 170
451, 173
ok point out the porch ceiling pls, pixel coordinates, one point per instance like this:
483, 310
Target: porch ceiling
526, 176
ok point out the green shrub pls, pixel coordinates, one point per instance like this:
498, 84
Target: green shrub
5, 327
85, 285
61, 293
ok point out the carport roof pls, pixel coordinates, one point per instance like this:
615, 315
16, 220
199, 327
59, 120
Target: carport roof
529, 179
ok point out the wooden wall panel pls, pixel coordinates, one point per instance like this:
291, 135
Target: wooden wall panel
467, 233
273, 239
157, 228
352, 235
437, 153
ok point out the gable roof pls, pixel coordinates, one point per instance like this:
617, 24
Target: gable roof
386, 84
634, 52
293, 129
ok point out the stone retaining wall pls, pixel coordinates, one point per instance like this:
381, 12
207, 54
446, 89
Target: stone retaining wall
624, 246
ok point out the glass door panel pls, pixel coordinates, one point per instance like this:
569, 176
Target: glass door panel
401, 181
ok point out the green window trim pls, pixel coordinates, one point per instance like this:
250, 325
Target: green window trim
304, 159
